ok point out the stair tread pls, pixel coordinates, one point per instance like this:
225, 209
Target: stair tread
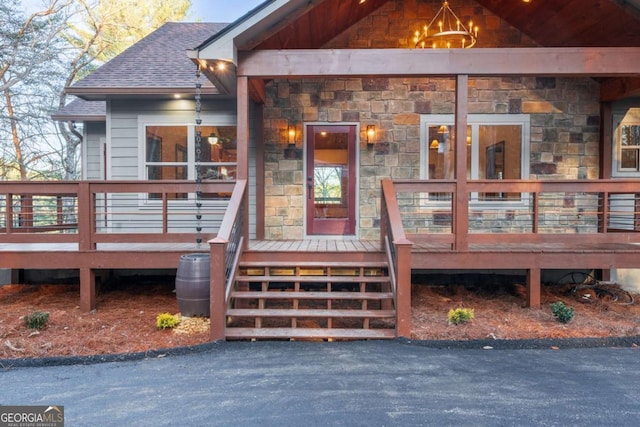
310, 333
276, 312
312, 295
314, 279
333, 264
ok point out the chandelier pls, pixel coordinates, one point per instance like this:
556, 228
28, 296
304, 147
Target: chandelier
446, 31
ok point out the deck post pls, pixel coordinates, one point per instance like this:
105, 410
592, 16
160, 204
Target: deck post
217, 289
403, 290
87, 289
533, 288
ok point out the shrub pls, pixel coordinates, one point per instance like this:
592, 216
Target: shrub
460, 315
561, 312
36, 320
166, 321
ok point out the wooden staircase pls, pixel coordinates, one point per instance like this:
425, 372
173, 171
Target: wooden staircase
311, 298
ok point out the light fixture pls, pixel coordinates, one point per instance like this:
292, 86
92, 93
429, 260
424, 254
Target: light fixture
291, 136
434, 144
371, 134
443, 129
446, 31
213, 139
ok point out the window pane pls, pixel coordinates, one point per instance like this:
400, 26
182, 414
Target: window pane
213, 172
630, 135
629, 159
500, 151
328, 184
441, 152
218, 144
166, 144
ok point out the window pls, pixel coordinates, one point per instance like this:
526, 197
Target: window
627, 144
497, 148
171, 153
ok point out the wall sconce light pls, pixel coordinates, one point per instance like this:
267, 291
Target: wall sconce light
434, 144
291, 136
371, 134
213, 139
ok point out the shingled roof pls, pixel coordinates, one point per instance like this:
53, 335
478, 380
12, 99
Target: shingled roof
81, 110
156, 65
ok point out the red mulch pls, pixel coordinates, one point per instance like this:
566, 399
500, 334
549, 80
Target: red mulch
500, 313
125, 320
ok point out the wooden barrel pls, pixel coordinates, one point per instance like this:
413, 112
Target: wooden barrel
192, 284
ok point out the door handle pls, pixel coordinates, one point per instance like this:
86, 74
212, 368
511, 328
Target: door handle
309, 186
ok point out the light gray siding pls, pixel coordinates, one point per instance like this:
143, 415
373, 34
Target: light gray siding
94, 136
124, 162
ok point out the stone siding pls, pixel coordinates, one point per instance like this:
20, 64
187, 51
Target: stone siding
564, 115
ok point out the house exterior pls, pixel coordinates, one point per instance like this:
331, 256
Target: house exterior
320, 126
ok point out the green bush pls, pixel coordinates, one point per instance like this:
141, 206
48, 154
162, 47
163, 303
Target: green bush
561, 312
36, 320
460, 315
166, 321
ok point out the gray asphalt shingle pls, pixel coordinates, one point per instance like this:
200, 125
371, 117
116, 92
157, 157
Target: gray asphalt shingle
157, 61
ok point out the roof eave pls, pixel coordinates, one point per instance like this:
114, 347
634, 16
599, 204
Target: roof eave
102, 93
78, 118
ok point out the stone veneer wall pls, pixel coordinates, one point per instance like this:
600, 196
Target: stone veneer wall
564, 117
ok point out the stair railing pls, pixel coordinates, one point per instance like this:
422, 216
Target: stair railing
226, 249
398, 249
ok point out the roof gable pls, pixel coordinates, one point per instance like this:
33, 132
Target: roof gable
305, 24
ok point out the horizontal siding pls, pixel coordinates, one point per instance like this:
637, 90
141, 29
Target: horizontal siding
94, 133
124, 151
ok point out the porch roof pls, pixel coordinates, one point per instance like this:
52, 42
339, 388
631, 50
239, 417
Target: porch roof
299, 24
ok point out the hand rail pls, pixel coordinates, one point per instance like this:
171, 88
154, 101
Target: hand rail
226, 249
398, 249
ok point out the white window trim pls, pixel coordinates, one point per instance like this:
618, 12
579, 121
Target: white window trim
476, 120
616, 147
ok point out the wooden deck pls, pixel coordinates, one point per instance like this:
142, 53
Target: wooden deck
315, 245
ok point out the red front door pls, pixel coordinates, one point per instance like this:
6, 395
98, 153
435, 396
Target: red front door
331, 180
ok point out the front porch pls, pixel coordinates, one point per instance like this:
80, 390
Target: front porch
557, 225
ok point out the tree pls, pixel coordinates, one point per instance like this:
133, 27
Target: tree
46, 51
26, 44
106, 29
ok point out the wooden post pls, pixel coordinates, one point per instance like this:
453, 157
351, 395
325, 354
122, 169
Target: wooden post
461, 202
217, 289
403, 291
533, 288
243, 129
87, 289
86, 217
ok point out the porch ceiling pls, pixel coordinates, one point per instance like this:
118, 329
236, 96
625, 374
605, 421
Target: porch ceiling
550, 23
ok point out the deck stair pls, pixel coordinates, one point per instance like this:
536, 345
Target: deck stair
311, 300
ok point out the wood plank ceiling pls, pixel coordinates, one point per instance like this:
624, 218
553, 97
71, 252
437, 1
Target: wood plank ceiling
550, 23
571, 23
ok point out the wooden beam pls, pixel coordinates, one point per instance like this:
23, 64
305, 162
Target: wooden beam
574, 61
618, 88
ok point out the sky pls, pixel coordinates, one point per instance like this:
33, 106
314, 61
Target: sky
220, 10
201, 10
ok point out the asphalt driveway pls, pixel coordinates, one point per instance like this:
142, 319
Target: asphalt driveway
390, 383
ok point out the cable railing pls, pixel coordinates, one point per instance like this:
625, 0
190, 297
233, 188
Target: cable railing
93, 212
444, 213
